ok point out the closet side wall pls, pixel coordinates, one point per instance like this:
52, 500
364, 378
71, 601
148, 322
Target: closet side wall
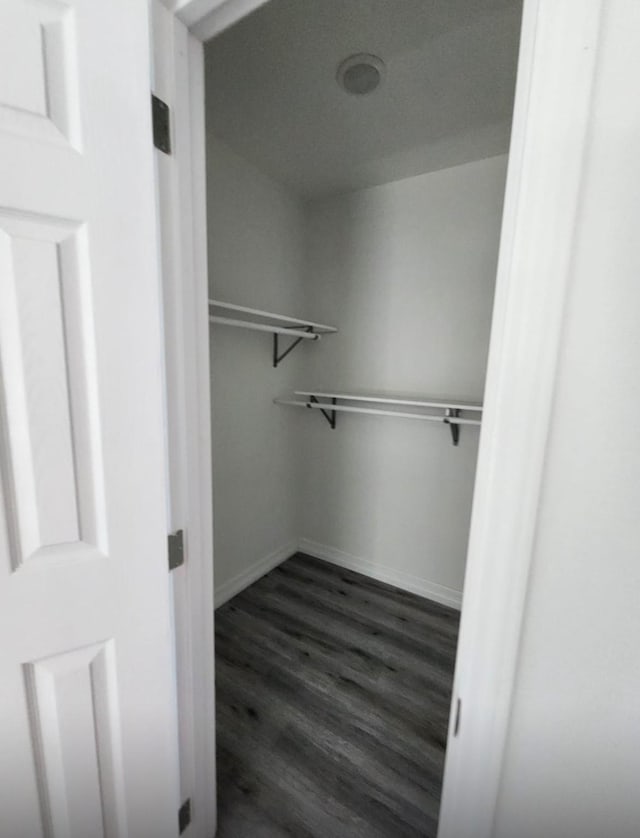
406, 271
255, 242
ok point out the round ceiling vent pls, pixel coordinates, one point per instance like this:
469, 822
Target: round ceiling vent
360, 74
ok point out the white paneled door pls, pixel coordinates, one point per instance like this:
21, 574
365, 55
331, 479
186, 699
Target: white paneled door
87, 699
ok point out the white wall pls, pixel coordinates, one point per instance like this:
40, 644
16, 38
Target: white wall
406, 271
255, 259
573, 755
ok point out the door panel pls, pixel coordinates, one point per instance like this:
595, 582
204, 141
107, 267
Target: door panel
46, 339
87, 698
74, 708
39, 91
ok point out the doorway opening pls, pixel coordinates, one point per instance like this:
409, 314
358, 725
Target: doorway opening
356, 162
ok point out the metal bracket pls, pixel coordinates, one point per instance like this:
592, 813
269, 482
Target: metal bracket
330, 416
184, 816
160, 115
455, 428
175, 543
276, 357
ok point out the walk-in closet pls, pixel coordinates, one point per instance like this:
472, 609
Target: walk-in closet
356, 162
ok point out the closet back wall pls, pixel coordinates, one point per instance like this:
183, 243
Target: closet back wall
255, 231
406, 271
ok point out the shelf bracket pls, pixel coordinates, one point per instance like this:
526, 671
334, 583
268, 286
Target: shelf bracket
277, 358
453, 426
330, 415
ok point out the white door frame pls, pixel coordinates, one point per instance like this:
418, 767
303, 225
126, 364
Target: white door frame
178, 79
551, 125
549, 135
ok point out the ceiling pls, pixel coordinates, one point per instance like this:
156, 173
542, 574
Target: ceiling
446, 98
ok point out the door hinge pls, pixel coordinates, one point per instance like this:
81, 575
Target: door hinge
161, 116
456, 724
175, 543
184, 815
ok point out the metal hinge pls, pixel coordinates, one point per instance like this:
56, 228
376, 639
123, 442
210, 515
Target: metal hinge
184, 815
456, 724
161, 116
175, 543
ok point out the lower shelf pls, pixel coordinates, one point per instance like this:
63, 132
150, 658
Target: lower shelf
449, 412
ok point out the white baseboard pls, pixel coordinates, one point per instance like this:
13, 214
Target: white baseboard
253, 573
406, 581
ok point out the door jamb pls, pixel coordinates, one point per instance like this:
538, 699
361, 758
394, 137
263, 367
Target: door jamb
549, 136
181, 207
181, 198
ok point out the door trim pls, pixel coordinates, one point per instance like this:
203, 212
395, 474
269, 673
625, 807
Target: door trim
181, 197
557, 63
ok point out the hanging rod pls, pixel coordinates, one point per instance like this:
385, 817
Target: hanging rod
263, 327
283, 325
453, 420
450, 416
456, 404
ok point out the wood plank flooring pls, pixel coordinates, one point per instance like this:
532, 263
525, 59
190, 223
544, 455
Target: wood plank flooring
333, 695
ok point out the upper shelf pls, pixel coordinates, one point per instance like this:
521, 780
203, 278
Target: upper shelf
253, 314
280, 324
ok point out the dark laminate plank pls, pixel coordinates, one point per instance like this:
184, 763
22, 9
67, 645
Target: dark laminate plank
393, 601
321, 722
342, 635
333, 695
337, 675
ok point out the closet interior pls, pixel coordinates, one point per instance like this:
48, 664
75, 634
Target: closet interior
356, 165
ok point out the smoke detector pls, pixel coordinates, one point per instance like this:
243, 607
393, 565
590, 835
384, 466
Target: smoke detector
360, 74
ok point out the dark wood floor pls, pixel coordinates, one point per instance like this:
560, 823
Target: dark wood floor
333, 694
